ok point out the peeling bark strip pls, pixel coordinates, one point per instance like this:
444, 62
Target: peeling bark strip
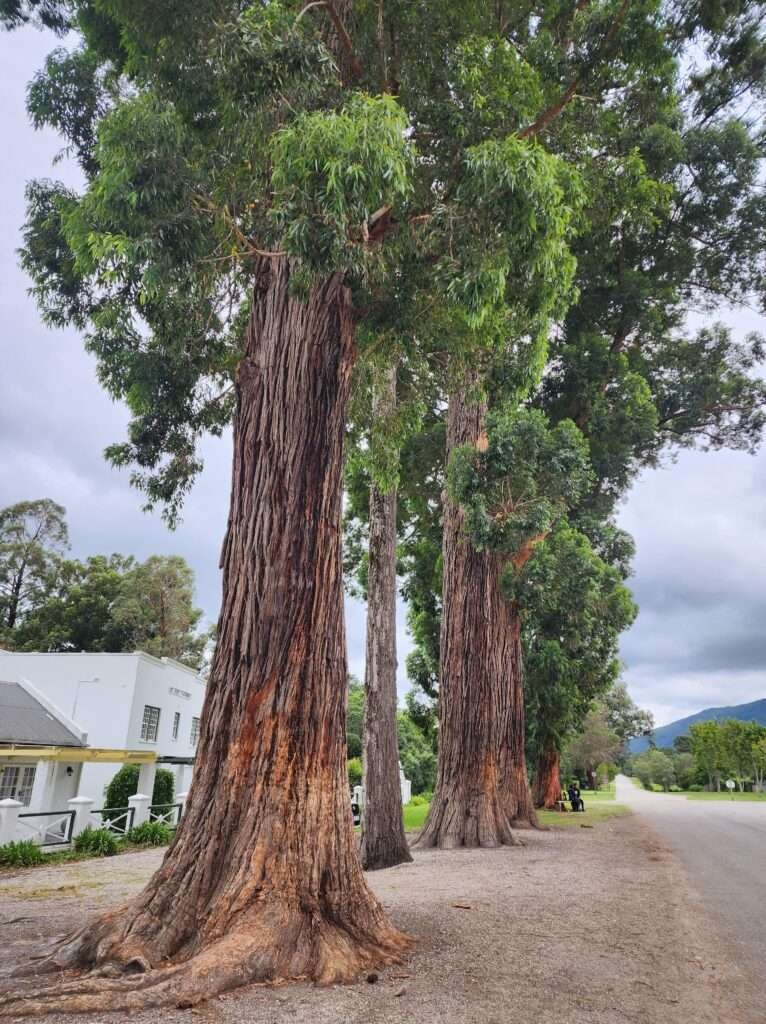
383, 839
469, 807
263, 881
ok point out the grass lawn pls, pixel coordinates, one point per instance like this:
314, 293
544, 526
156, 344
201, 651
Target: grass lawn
598, 807
595, 812
723, 796
415, 816
607, 793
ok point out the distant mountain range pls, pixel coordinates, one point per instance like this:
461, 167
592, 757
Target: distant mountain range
755, 711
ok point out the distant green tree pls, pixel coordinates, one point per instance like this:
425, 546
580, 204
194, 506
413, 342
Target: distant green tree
624, 715
758, 755
685, 769
77, 614
737, 750
416, 754
682, 744
354, 717
654, 767
708, 750
116, 604
155, 607
596, 742
33, 538
354, 770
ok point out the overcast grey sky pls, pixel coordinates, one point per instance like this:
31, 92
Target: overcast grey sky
700, 525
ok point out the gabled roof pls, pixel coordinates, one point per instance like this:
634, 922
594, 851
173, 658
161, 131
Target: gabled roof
24, 720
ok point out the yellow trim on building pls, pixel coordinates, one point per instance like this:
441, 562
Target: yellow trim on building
76, 755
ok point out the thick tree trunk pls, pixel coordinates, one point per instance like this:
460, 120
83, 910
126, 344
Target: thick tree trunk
383, 839
516, 789
547, 780
469, 807
263, 881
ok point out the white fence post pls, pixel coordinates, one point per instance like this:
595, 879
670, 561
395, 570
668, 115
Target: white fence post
82, 807
9, 816
181, 799
140, 804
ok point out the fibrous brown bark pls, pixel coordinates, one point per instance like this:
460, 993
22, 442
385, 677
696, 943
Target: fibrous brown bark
516, 789
263, 881
383, 841
470, 807
547, 779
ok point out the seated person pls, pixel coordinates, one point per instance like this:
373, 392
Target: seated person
574, 797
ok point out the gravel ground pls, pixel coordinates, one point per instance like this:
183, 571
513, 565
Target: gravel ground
585, 925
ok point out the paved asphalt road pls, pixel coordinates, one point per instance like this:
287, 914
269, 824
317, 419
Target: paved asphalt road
723, 846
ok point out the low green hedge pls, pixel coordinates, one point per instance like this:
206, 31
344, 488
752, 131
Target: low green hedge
99, 842
22, 854
150, 833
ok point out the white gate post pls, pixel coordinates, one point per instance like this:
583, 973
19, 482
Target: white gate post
9, 816
140, 804
82, 807
181, 799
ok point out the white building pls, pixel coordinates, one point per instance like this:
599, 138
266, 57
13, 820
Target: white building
73, 719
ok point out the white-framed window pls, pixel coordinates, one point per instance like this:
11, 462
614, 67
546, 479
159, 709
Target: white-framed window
176, 724
150, 726
194, 732
16, 782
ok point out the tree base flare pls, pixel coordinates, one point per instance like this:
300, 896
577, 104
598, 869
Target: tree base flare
101, 968
454, 823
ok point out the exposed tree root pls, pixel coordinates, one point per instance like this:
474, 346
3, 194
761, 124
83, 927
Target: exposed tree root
104, 969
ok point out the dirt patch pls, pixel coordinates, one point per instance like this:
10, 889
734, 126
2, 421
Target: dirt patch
597, 926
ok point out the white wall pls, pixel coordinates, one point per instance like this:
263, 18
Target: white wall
171, 688
94, 690
105, 695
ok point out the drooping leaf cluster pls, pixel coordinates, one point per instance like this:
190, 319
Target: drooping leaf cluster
517, 485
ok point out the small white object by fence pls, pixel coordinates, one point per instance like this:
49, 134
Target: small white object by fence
140, 804
82, 806
357, 794
9, 819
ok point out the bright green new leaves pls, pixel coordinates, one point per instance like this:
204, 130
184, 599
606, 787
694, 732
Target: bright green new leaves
332, 171
516, 490
508, 232
494, 89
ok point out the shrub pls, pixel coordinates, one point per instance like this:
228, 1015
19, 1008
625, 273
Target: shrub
150, 833
418, 800
125, 784
657, 788
676, 789
354, 766
696, 788
99, 842
22, 854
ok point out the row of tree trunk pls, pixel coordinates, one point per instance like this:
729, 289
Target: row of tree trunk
263, 880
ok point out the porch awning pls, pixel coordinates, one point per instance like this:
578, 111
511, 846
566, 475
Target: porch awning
76, 755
